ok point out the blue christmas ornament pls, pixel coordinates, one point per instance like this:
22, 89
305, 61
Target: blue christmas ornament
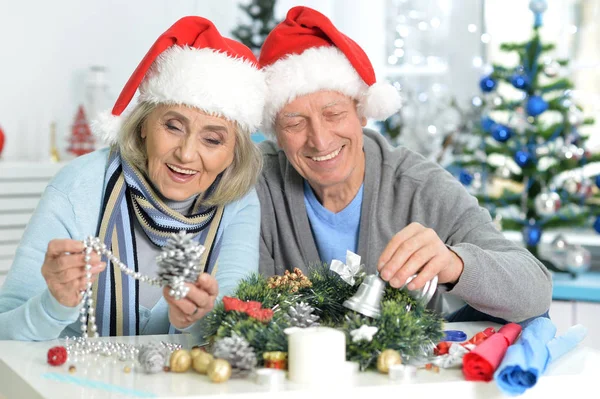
500, 132
465, 177
538, 6
523, 158
598, 181
520, 81
487, 84
536, 105
487, 123
532, 234
597, 225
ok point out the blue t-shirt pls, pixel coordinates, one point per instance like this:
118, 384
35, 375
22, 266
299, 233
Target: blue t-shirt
334, 233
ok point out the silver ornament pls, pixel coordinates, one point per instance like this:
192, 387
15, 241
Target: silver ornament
254, 10
503, 172
572, 185
578, 259
496, 100
153, 357
575, 116
559, 243
547, 203
551, 68
571, 151
367, 299
476, 102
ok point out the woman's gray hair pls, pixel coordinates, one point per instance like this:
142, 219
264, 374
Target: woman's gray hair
236, 181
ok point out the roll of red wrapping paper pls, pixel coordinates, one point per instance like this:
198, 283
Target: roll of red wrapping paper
481, 363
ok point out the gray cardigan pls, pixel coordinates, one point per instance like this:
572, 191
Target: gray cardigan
499, 278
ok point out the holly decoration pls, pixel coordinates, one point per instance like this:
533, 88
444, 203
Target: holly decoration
251, 308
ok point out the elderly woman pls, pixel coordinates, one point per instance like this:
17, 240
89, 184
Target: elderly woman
181, 160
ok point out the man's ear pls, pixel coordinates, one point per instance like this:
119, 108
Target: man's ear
363, 121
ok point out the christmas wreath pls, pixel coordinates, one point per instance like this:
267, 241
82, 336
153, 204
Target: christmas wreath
251, 324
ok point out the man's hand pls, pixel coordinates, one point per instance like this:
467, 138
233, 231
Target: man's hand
418, 250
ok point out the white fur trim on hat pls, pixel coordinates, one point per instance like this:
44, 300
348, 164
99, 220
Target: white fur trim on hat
209, 80
380, 101
324, 68
107, 127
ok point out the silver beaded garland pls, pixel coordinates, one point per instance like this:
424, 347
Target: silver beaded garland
87, 318
182, 255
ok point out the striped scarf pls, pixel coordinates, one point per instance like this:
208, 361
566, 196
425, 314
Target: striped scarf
129, 198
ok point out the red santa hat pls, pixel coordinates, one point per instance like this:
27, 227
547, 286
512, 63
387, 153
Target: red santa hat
305, 53
192, 64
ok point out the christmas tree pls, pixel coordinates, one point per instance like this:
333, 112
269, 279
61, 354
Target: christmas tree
81, 140
529, 160
261, 23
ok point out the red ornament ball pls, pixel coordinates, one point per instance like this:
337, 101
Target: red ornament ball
57, 355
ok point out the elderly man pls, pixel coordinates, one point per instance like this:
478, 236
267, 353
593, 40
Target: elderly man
329, 185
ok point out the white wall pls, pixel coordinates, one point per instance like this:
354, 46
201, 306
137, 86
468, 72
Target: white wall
47, 47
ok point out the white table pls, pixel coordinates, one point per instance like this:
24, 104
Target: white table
24, 373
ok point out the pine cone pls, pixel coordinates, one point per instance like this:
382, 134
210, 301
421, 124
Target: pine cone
179, 262
237, 351
301, 315
153, 357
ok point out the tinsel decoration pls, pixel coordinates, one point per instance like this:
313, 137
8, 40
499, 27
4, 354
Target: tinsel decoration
301, 315
179, 262
292, 281
153, 357
237, 351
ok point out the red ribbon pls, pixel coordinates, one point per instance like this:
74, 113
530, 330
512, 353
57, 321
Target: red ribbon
251, 308
481, 363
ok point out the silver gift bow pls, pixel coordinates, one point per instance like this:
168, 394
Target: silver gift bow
348, 271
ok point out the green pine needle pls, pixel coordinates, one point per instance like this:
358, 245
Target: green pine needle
405, 324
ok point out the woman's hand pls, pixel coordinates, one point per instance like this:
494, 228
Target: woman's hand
64, 270
199, 301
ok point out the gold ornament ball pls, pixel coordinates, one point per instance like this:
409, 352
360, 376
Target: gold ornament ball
388, 358
219, 370
195, 352
201, 361
180, 361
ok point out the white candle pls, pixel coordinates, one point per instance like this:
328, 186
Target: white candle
316, 355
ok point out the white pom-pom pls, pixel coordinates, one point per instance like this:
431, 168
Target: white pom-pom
380, 101
107, 127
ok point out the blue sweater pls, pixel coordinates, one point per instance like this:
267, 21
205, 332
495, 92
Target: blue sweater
70, 208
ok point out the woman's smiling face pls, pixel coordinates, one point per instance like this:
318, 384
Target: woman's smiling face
187, 149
